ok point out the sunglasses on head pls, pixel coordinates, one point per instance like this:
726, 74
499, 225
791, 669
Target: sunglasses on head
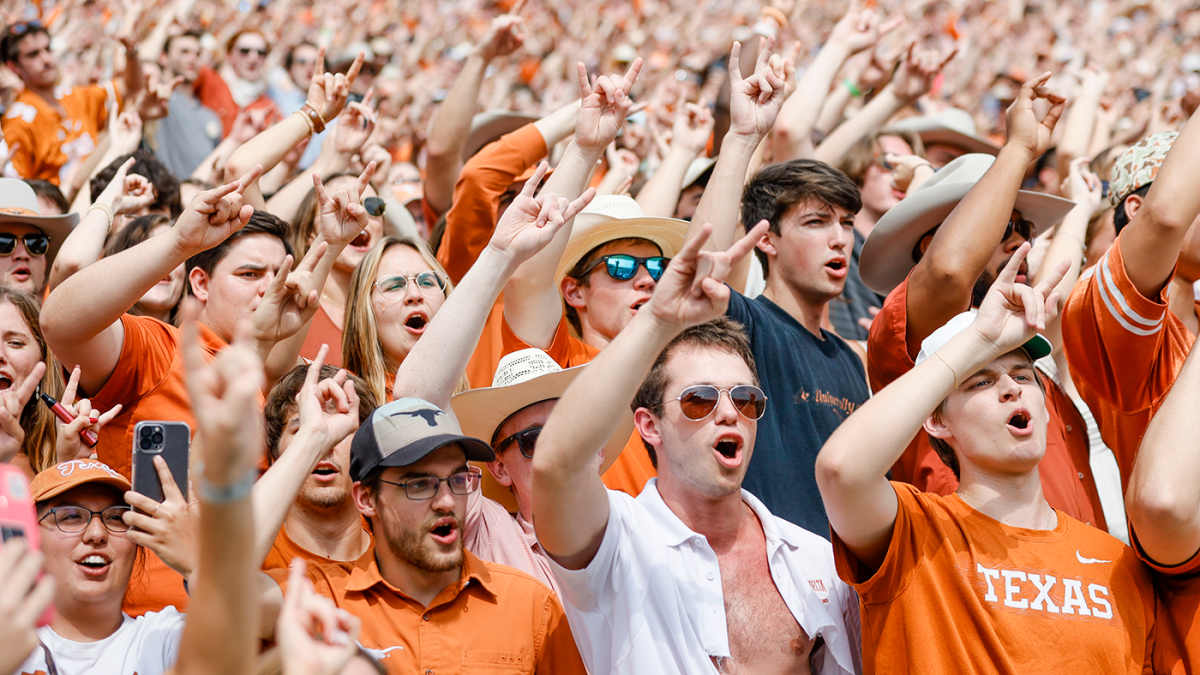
699, 401
36, 244
247, 51
525, 439
1024, 228
623, 267
19, 29
375, 206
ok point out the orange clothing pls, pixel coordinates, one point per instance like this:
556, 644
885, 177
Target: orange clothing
284, 549
1177, 647
959, 592
1065, 470
494, 619
45, 146
1124, 351
214, 93
632, 468
323, 331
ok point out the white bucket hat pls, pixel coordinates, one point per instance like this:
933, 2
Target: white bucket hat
612, 217
887, 254
952, 126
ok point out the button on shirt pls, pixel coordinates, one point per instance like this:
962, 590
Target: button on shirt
651, 601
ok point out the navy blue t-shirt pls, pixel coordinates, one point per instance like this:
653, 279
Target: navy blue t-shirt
812, 385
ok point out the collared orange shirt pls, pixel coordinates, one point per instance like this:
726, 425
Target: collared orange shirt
46, 146
495, 619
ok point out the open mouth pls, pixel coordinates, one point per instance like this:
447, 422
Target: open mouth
5, 383
21, 273
363, 240
325, 471
837, 265
445, 532
94, 564
416, 323
728, 452
1019, 421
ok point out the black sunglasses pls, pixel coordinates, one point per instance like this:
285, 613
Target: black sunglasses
525, 440
36, 244
1025, 228
699, 401
375, 206
247, 51
623, 267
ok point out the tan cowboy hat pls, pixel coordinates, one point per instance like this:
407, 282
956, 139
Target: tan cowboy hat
490, 125
19, 204
952, 126
614, 217
887, 254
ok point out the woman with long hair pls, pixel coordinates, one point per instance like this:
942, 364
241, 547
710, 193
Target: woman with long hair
162, 301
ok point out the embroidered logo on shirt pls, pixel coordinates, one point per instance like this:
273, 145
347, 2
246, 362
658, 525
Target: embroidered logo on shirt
844, 405
379, 654
1088, 561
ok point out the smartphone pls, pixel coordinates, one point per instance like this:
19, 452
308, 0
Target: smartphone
18, 517
169, 440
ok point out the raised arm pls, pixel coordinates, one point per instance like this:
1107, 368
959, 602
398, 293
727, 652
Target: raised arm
940, 284
852, 467
689, 135
570, 502
532, 304
81, 318
441, 355
453, 121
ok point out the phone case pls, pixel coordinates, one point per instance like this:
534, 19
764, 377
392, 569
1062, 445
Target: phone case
171, 441
18, 516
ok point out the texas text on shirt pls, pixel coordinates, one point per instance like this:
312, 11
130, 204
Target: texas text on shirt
1068, 600
651, 601
1065, 469
147, 645
1124, 351
514, 623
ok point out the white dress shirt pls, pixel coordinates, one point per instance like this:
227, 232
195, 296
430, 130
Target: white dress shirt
651, 600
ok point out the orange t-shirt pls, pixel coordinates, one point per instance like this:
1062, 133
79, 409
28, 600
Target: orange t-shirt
959, 592
284, 549
632, 467
494, 619
1177, 641
45, 146
1124, 351
1065, 470
323, 331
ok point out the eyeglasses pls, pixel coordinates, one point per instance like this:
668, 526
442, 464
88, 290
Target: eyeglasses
420, 489
375, 206
525, 439
623, 267
699, 401
396, 285
36, 244
75, 519
247, 51
1025, 228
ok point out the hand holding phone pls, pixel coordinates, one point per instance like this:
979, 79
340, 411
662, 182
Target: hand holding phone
169, 440
25, 593
165, 527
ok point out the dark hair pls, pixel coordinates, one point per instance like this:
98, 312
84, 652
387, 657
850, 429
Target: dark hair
1120, 218
721, 333
281, 402
171, 38
260, 223
10, 42
245, 31
50, 192
291, 55
580, 278
780, 187
166, 185
866, 152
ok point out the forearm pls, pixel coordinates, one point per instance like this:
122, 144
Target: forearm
660, 195
436, 364
274, 493
134, 78
872, 116
559, 124
267, 148
1078, 127
82, 247
1067, 244
832, 112
449, 134
722, 199
800, 112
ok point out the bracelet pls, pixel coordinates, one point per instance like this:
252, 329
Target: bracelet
939, 358
224, 494
306, 116
107, 211
852, 88
775, 15
313, 108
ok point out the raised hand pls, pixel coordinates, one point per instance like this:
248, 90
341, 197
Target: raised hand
154, 100
328, 408
1024, 129
68, 444
1082, 186
754, 102
693, 125
530, 223
341, 216
126, 192
917, 71
1011, 313
861, 28
215, 214
12, 402
505, 35
692, 290
355, 127
787, 65
125, 132
328, 92
165, 527
23, 598
904, 169
604, 106
289, 302
315, 637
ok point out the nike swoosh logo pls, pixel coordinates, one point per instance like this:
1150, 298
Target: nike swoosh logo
1088, 561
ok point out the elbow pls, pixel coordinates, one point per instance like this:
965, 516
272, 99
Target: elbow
1162, 216
833, 471
1160, 507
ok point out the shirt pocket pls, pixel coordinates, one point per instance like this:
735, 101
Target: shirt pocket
495, 663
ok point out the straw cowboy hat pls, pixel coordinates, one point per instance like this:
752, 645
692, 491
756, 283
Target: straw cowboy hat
951, 126
19, 204
887, 254
614, 217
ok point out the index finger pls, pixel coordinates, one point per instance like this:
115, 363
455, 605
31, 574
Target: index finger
319, 67
631, 75
764, 54
746, 244
531, 185
355, 67
364, 179
248, 178
734, 69
1056, 276
68, 396
585, 87
169, 487
1009, 274
31, 382
891, 25
314, 369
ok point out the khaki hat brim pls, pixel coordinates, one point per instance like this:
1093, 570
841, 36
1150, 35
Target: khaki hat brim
58, 228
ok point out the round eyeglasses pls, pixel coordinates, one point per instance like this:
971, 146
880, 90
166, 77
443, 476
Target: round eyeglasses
75, 519
396, 285
426, 487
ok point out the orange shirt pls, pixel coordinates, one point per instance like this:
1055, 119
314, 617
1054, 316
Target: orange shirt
959, 592
1065, 470
45, 146
323, 331
284, 549
1177, 647
632, 467
494, 619
1124, 351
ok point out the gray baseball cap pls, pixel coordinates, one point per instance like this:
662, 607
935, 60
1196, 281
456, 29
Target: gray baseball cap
403, 432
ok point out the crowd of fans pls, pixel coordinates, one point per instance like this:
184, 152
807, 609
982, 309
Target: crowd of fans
890, 303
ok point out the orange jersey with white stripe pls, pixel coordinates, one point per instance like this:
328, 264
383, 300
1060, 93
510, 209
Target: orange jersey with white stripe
43, 144
1124, 351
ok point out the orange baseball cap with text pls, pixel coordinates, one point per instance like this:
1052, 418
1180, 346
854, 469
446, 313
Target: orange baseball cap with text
66, 475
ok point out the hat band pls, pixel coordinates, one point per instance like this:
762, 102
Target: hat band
18, 211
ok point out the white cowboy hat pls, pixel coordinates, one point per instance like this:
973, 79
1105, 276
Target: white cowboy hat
490, 125
887, 254
612, 217
952, 126
19, 204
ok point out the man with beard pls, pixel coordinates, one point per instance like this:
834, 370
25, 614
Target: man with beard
426, 603
935, 254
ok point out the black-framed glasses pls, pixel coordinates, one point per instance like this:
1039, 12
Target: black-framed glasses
374, 206
1025, 228
396, 285
623, 267
525, 439
426, 487
75, 519
700, 400
36, 244
247, 51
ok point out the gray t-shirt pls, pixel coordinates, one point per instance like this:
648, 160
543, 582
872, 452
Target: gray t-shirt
188, 134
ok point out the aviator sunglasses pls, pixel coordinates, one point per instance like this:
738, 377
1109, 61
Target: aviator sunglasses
699, 401
623, 267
